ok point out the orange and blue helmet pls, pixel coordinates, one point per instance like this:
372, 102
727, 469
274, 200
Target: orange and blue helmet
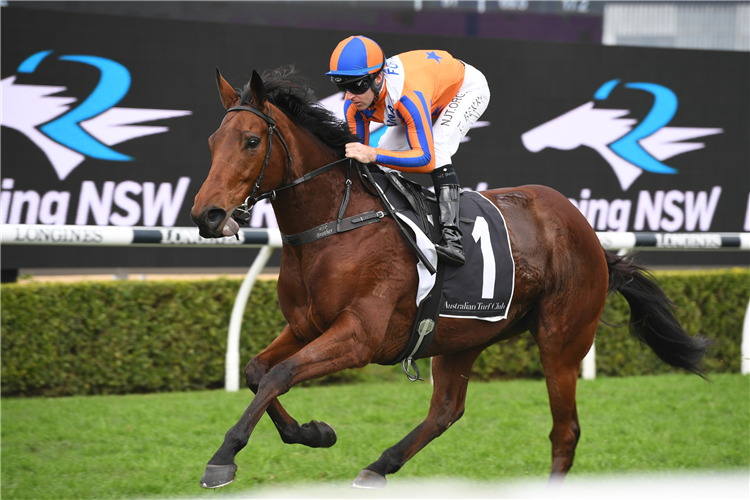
356, 56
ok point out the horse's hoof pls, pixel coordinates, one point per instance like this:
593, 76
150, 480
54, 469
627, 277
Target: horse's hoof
217, 476
323, 435
327, 434
369, 480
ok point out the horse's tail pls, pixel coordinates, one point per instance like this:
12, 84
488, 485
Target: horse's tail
652, 316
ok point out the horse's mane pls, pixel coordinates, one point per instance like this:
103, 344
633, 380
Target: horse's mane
291, 93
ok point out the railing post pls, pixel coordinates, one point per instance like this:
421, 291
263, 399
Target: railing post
232, 367
745, 350
588, 370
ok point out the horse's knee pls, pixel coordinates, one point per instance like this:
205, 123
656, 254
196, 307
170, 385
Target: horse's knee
448, 417
279, 378
254, 372
576, 428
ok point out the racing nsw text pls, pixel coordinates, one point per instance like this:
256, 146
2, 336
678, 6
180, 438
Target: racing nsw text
668, 211
127, 203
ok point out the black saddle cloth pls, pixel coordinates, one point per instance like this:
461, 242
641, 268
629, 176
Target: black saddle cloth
483, 287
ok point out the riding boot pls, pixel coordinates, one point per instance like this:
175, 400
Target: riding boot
449, 250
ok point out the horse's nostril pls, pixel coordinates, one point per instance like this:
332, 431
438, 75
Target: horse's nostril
196, 219
215, 216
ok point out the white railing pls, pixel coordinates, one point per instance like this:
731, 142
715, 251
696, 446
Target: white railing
116, 236
268, 239
39, 234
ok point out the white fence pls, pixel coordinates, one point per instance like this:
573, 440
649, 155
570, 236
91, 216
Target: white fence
268, 239
116, 236
38, 234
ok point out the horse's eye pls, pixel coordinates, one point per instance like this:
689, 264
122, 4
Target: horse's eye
252, 143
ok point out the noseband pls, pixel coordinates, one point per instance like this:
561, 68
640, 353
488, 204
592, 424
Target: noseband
242, 212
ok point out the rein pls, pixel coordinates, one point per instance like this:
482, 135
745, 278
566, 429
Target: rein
340, 225
242, 212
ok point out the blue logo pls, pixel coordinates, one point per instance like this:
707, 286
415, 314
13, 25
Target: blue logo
664, 108
629, 147
67, 136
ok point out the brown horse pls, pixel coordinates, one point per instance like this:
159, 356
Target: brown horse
349, 299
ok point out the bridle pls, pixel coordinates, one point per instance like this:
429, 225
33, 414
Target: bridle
242, 212
246, 206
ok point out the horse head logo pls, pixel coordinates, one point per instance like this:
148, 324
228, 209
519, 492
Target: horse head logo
67, 136
628, 146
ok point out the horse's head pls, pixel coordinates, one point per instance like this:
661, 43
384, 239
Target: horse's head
238, 159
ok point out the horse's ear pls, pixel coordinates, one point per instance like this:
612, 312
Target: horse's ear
258, 89
229, 97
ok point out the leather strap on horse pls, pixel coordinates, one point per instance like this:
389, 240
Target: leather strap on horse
333, 227
242, 213
271, 127
340, 225
392, 212
423, 330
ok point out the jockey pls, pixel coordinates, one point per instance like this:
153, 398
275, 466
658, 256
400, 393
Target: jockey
428, 100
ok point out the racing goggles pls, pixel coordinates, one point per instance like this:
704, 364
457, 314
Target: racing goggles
356, 87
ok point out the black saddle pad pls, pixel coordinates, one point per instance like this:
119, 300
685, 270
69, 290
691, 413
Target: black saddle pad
483, 287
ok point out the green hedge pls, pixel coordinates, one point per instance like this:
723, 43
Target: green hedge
126, 336
709, 302
129, 337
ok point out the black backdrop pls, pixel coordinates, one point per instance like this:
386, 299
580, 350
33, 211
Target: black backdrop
172, 63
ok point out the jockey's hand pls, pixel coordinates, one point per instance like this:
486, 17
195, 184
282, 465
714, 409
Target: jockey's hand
361, 153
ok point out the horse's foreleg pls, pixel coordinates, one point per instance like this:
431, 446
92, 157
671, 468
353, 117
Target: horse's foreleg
314, 434
451, 377
340, 347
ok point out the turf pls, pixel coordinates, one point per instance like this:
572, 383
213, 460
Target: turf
157, 445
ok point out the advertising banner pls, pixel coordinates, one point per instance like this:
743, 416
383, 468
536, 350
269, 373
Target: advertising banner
105, 121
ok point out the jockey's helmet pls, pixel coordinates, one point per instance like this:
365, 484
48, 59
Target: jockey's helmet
355, 63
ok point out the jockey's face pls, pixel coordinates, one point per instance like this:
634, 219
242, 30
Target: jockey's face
361, 101
364, 100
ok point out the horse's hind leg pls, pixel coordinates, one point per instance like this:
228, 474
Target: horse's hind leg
562, 347
451, 376
313, 434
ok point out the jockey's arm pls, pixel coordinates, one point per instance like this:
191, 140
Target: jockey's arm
414, 113
358, 123
359, 126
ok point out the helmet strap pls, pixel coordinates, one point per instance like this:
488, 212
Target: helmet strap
377, 87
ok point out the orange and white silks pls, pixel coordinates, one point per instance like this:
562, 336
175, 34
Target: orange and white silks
419, 87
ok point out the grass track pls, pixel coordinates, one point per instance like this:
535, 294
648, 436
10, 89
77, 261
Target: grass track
156, 445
